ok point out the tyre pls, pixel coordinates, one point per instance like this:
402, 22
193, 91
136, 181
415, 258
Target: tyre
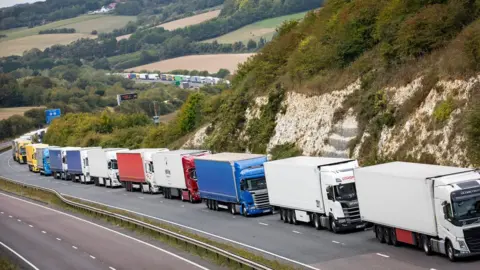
216, 206
190, 197
233, 210
244, 211
393, 237
285, 216
333, 226
294, 218
207, 202
316, 222
450, 251
281, 214
379, 233
290, 216
426, 245
386, 233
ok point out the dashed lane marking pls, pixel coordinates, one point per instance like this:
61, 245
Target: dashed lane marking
92, 257
30, 226
111, 268
74, 247
383, 255
59, 239
264, 224
44, 232
297, 232
19, 220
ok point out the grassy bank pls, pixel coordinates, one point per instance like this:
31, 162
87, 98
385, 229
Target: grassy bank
53, 201
6, 264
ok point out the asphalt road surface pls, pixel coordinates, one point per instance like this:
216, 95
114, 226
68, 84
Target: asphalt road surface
49, 239
301, 245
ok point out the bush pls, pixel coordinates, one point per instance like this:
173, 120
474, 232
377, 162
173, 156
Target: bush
287, 150
442, 111
58, 31
473, 130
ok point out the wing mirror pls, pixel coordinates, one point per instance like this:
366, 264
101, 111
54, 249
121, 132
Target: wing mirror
330, 193
242, 185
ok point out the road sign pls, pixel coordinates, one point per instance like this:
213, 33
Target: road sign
124, 97
52, 114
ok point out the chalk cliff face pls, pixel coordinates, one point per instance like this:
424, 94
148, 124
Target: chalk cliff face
308, 122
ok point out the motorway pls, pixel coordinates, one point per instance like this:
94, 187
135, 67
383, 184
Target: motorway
301, 245
48, 239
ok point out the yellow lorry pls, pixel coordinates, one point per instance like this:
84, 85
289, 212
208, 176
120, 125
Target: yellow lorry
20, 152
32, 161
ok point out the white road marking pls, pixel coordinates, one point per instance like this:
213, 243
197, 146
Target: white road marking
10, 216
183, 205
383, 255
30, 226
74, 247
264, 224
203, 210
20, 256
203, 232
111, 268
112, 231
297, 232
336, 242
44, 232
1, 213
141, 198
59, 239
92, 257
19, 220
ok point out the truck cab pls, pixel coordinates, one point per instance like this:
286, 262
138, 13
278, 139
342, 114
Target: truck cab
21, 151
113, 180
150, 186
45, 170
457, 208
253, 191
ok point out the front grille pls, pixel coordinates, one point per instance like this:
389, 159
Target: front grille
472, 237
352, 214
261, 200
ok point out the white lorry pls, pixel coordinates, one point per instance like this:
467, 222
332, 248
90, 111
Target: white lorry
436, 208
175, 174
102, 167
149, 186
315, 190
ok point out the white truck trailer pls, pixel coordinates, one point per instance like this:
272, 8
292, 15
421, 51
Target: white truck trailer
175, 174
436, 208
315, 190
102, 167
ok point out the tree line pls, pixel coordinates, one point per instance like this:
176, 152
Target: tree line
57, 31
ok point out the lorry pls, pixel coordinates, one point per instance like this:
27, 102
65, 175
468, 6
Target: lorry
175, 175
133, 166
43, 160
436, 208
315, 190
58, 161
101, 167
163, 77
21, 153
32, 156
75, 161
233, 181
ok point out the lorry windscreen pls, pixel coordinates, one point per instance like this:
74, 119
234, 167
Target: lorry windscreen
467, 208
113, 164
22, 150
346, 192
256, 183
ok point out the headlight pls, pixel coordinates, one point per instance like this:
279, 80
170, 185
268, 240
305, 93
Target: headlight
341, 220
462, 244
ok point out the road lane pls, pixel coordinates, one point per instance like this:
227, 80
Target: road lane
302, 244
53, 240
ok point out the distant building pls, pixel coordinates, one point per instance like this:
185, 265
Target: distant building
104, 9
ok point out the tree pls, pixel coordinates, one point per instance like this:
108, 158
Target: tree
251, 45
94, 32
261, 43
101, 63
222, 73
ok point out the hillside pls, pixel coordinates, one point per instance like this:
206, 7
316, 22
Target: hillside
374, 80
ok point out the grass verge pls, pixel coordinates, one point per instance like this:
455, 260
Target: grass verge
53, 200
6, 264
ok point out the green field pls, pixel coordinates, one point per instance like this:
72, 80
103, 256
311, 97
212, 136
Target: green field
265, 28
83, 24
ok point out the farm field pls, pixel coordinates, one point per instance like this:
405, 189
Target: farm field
209, 62
265, 28
196, 19
7, 112
21, 39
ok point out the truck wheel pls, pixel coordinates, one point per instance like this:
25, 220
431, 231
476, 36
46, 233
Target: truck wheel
294, 218
427, 247
386, 233
450, 251
233, 210
190, 197
244, 211
316, 222
285, 216
215, 203
333, 226
281, 214
290, 216
393, 237
379, 233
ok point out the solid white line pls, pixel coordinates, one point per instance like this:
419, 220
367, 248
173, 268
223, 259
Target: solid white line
20, 256
203, 232
297, 232
44, 232
336, 242
59, 239
383, 255
112, 231
92, 257
264, 224
74, 247
111, 268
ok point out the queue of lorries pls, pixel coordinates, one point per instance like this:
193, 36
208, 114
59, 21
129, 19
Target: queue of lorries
436, 208
172, 78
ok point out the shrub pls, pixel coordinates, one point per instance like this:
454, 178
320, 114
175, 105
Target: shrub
442, 111
473, 130
286, 150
